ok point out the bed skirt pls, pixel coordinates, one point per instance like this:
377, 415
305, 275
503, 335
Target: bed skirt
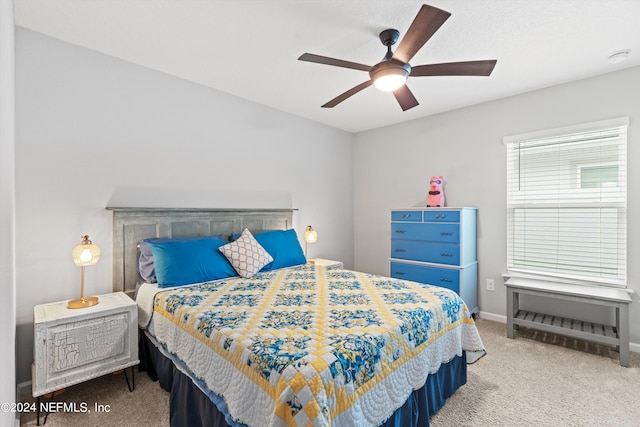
190, 405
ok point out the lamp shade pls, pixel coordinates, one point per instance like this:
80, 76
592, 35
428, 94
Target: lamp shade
85, 253
310, 235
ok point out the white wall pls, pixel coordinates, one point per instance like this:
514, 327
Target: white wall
392, 167
7, 213
80, 113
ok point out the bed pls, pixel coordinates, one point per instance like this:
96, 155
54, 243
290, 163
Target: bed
288, 343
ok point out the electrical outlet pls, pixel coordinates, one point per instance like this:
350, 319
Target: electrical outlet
491, 285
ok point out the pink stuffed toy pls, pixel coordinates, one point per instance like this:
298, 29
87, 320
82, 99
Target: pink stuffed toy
436, 194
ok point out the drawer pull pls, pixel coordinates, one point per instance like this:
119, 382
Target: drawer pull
400, 231
446, 233
446, 254
401, 250
398, 273
444, 279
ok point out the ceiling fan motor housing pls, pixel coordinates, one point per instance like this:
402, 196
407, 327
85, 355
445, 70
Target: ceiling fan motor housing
389, 36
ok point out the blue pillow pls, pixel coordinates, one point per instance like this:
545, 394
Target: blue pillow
184, 261
283, 246
146, 270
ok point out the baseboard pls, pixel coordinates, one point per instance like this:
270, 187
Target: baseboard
492, 316
23, 389
633, 346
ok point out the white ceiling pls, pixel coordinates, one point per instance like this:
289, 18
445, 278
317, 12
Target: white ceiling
249, 48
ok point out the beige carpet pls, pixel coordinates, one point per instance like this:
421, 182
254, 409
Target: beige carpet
537, 379
541, 379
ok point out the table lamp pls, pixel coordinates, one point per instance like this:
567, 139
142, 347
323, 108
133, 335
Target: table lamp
310, 236
84, 254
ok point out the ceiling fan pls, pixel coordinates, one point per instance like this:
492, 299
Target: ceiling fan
391, 73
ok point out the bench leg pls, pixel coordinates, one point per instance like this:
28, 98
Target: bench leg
622, 323
512, 305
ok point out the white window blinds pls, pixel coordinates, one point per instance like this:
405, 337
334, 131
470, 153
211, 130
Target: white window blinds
566, 202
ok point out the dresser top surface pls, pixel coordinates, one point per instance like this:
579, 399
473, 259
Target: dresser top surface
424, 208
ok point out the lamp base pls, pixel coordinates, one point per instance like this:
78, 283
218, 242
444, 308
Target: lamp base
83, 302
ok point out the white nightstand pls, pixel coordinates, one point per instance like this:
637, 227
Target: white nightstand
76, 345
329, 264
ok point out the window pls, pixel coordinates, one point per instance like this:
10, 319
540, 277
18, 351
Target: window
566, 203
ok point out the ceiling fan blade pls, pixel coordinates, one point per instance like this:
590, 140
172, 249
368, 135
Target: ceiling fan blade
338, 99
405, 98
310, 57
468, 68
428, 20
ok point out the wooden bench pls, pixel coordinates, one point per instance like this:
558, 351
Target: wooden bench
616, 335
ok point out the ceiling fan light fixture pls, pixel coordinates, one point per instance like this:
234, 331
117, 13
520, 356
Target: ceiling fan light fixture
390, 82
389, 75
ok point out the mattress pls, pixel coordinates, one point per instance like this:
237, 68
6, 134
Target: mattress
308, 345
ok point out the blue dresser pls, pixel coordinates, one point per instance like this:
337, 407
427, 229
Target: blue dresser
436, 246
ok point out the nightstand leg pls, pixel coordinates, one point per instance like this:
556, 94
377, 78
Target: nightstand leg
132, 385
38, 410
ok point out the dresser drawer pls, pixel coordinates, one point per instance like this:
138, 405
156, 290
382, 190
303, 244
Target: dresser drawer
414, 216
443, 277
441, 216
443, 233
427, 252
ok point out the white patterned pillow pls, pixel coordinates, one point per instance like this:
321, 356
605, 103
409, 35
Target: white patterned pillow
246, 255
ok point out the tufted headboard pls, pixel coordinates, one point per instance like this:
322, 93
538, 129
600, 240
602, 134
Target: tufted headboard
131, 225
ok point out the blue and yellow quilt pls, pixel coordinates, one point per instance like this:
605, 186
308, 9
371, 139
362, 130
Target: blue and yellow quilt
313, 346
